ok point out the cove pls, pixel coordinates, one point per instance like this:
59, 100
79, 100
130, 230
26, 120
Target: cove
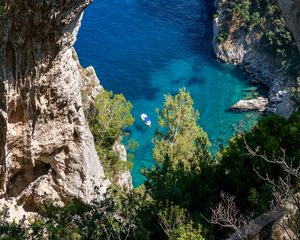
145, 49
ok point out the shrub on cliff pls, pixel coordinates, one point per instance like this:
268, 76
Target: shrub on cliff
263, 18
111, 115
10, 231
117, 216
237, 170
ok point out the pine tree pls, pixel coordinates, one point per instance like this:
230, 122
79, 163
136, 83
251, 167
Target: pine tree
180, 138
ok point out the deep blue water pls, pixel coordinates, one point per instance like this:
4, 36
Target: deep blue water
145, 49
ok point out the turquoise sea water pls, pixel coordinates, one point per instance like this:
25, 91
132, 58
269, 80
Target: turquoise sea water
145, 49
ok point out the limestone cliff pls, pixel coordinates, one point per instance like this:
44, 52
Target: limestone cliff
90, 88
46, 147
247, 46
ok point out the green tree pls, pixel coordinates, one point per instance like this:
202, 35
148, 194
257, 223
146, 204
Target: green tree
184, 168
114, 217
181, 152
179, 133
110, 115
177, 225
236, 170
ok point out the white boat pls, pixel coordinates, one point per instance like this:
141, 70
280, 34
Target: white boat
146, 119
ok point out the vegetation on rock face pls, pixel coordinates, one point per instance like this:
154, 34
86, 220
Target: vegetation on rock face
262, 18
3, 8
223, 35
110, 115
115, 217
10, 231
181, 189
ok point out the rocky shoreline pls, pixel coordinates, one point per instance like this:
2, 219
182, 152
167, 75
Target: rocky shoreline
244, 49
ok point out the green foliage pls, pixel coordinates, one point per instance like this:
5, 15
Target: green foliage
177, 225
113, 115
240, 9
10, 231
181, 150
110, 116
296, 90
263, 17
280, 40
223, 36
131, 146
235, 171
115, 217
177, 139
184, 165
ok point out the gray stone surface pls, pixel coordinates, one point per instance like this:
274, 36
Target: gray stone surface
46, 147
259, 104
124, 178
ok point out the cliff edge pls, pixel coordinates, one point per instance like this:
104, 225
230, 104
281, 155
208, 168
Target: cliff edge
46, 148
254, 35
291, 13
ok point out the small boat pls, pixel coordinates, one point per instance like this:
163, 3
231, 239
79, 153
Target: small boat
146, 119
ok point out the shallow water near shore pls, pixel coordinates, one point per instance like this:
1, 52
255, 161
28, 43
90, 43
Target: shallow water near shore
145, 49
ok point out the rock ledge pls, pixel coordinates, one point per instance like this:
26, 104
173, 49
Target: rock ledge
259, 104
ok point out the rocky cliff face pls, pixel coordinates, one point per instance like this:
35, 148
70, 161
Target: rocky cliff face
291, 13
245, 47
90, 88
46, 147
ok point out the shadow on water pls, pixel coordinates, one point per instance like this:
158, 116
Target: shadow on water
173, 93
139, 127
195, 81
143, 89
194, 16
178, 81
239, 73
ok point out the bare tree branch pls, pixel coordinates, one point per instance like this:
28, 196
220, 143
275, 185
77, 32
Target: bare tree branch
226, 214
284, 195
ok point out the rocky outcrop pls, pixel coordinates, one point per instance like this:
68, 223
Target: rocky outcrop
259, 104
291, 13
123, 178
46, 147
245, 48
90, 88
